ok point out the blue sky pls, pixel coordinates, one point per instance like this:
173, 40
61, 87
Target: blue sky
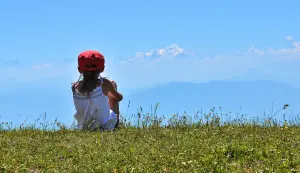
194, 41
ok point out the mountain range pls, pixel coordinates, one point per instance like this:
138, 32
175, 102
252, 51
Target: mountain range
253, 98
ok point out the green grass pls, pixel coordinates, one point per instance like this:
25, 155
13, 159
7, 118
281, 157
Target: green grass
183, 146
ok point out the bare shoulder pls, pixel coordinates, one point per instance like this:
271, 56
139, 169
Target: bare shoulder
111, 87
106, 81
74, 86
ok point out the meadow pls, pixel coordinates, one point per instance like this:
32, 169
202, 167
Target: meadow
183, 143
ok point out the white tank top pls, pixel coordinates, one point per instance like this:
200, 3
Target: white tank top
92, 110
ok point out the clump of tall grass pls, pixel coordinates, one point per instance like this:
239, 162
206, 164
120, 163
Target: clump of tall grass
148, 120
214, 118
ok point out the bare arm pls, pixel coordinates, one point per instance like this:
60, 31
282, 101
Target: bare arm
112, 91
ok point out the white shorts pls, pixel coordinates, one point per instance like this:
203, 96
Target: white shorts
93, 125
112, 121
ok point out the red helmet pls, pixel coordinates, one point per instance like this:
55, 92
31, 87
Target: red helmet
90, 60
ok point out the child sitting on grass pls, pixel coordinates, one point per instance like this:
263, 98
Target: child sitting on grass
95, 98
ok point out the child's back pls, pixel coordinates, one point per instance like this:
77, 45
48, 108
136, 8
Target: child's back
95, 98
